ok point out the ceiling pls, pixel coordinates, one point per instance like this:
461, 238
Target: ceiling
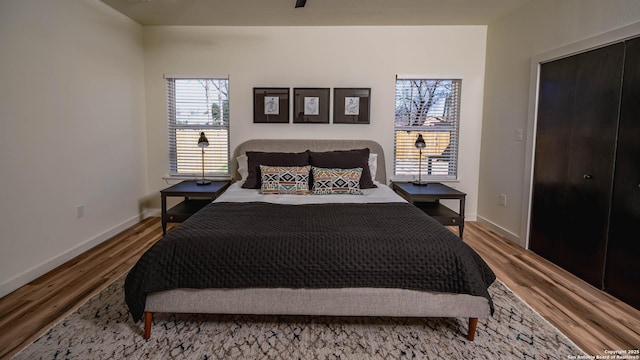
315, 13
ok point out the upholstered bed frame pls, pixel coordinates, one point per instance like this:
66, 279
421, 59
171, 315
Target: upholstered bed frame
331, 302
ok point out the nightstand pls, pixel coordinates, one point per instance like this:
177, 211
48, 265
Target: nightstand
428, 197
195, 198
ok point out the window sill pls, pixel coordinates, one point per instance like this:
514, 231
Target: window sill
178, 178
408, 178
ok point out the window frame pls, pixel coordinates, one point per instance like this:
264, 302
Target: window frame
444, 128
217, 155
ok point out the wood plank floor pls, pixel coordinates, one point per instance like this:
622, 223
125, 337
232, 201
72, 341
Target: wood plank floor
593, 320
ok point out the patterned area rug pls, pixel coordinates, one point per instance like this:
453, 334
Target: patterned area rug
102, 329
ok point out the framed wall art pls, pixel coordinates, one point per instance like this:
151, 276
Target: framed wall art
270, 105
311, 105
351, 105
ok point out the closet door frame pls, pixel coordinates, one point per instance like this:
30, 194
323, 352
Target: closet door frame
608, 38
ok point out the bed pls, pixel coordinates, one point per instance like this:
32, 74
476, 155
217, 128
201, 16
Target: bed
369, 253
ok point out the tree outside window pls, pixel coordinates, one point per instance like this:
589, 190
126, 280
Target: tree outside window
194, 105
430, 107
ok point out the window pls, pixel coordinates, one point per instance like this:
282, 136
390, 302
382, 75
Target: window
195, 105
430, 107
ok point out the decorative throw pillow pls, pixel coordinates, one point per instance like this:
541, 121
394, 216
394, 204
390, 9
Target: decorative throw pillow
336, 181
345, 159
257, 158
284, 179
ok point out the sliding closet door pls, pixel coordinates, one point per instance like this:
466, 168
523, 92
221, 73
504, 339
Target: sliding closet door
554, 125
593, 146
623, 253
578, 109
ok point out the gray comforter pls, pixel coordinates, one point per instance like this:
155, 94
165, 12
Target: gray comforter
261, 245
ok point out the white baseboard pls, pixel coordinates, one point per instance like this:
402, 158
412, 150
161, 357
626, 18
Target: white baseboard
153, 212
500, 230
48, 265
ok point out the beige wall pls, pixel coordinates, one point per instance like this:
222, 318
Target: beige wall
317, 57
72, 115
512, 42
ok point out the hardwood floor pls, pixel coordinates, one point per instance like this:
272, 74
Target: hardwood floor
30, 310
593, 320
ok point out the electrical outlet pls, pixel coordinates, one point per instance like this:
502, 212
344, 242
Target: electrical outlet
503, 199
80, 211
519, 134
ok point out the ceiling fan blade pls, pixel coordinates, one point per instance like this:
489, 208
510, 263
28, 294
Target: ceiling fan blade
300, 3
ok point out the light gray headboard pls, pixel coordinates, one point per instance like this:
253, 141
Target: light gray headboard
313, 145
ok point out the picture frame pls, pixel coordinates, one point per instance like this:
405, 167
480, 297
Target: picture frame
311, 105
351, 105
271, 105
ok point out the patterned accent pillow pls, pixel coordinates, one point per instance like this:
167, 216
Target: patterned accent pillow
285, 179
336, 181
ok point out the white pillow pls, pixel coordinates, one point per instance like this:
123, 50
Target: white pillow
243, 166
373, 165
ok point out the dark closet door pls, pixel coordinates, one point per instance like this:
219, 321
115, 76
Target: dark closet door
550, 174
622, 272
571, 228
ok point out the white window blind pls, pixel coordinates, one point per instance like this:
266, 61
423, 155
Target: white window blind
195, 105
430, 107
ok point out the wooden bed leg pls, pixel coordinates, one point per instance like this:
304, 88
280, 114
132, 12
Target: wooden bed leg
473, 323
148, 319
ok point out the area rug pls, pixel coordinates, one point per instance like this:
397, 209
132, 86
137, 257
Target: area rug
102, 328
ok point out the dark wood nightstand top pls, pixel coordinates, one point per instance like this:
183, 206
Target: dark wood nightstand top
432, 190
190, 188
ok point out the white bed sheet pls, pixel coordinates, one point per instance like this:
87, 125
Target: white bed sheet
381, 194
